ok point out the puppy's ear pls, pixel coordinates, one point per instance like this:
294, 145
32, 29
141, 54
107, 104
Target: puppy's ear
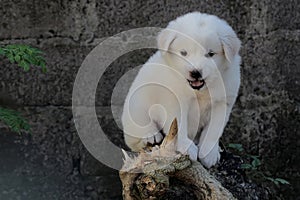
165, 39
231, 44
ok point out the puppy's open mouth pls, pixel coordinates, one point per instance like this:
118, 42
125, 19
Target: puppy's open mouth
196, 84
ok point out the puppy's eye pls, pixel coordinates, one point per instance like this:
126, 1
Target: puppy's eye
210, 54
183, 52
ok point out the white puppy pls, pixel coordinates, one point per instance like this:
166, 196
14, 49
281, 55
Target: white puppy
195, 77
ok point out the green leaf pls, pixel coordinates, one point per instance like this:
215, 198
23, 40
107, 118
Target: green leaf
26, 66
246, 166
29, 58
238, 147
272, 180
11, 58
22, 64
13, 120
255, 162
282, 181
277, 181
17, 58
24, 55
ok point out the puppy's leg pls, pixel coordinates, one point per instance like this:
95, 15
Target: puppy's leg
139, 128
137, 138
185, 145
209, 153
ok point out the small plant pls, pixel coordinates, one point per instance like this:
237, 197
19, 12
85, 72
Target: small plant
25, 56
253, 166
277, 181
13, 120
238, 147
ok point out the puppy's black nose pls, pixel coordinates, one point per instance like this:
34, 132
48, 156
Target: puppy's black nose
195, 74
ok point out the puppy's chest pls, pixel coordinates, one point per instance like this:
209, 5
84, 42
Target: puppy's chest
199, 112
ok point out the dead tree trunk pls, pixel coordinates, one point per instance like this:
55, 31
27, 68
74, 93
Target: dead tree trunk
163, 173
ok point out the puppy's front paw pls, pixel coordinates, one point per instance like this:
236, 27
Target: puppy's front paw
211, 158
193, 151
153, 140
188, 148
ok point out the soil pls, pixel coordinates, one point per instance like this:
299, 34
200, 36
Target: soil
24, 174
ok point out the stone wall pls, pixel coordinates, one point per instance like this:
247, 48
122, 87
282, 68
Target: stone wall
265, 118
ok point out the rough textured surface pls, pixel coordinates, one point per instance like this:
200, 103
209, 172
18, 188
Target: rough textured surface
51, 163
148, 175
265, 119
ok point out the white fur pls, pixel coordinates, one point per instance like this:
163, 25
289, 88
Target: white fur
161, 92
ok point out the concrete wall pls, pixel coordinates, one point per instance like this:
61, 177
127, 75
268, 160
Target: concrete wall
266, 115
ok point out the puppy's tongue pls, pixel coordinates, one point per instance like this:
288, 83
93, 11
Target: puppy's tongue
196, 83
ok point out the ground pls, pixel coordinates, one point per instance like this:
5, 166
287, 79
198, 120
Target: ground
27, 174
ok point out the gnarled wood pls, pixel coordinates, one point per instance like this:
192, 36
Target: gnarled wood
163, 173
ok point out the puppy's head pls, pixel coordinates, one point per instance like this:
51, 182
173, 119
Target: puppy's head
198, 46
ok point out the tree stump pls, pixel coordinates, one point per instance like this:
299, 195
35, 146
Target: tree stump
164, 173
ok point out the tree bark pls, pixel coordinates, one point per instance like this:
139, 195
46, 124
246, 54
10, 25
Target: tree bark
163, 173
